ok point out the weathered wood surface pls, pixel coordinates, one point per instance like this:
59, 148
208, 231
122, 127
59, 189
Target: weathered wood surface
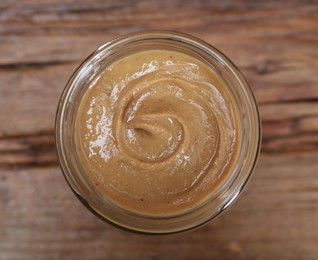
274, 43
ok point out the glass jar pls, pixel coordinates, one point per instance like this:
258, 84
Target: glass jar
221, 198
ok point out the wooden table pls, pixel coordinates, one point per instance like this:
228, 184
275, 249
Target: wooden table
275, 44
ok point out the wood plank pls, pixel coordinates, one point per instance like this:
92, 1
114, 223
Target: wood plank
31, 107
275, 218
29, 98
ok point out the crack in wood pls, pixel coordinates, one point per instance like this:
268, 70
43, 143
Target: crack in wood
32, 65
38, 149
289, 101
28, 150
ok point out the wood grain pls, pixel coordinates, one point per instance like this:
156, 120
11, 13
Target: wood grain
275, 218
274, 43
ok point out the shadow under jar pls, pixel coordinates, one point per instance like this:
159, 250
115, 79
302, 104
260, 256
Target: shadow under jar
157, 132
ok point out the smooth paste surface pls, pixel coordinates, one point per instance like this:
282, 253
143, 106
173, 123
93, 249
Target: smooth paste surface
156, 132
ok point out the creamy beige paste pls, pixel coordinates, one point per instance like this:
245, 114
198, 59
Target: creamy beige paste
156, 132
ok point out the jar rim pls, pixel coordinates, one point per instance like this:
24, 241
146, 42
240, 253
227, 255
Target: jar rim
115, 45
